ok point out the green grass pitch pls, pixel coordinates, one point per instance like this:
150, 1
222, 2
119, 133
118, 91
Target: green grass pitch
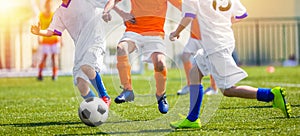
29, 107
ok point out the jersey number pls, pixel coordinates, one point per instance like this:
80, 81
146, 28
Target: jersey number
221, 8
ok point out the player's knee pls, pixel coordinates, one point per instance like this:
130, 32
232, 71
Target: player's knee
185, 57
195, 75
159, 66
88, 70
226, 92
122, 49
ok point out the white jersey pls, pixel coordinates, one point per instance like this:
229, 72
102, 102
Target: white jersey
215, 21
83, 22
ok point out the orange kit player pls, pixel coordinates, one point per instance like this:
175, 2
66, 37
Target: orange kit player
50, 45
144, 32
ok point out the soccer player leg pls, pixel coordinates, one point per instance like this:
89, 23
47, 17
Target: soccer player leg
187, 67
54, 57
123, 64
160, 75
84, 89
124, 69
196, 95
234, 74
42, 64
96, 81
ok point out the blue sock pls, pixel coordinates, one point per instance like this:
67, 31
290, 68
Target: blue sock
196, 95
90, 94
99, 86
264, 94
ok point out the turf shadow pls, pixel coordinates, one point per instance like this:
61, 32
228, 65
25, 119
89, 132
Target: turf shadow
248, 107
154, 131
36, 124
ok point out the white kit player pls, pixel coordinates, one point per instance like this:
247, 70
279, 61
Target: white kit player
215, 18
80, 19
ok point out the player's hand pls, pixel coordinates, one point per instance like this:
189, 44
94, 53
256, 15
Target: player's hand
173, 36
128, 17
35, 29
106, 16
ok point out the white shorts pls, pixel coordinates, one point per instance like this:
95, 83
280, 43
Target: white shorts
146, 45
221, 66
50, 48
192, 46
92, 57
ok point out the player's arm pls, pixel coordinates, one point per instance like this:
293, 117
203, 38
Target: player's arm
126, 16
35, 29
185, 21
108, 6
236, 19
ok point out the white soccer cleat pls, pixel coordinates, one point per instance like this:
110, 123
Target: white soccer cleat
210, 91
184, 90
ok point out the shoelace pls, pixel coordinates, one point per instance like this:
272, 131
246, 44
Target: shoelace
163, 99
125, 92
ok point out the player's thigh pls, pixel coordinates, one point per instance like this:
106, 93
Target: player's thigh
126, 46
159, 60
192, 46
46, 49
224, 69
153, 49
195, 75
54, 49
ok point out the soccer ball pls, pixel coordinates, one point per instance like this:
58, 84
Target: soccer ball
93, 111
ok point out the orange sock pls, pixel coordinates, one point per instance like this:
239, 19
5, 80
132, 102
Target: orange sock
124, 69
187, 67
54, 71
41, 67
160, 78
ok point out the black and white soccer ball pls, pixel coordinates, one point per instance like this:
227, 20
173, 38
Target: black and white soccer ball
93, 111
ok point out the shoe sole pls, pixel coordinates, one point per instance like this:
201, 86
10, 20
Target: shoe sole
122, 101
287, 107
181, 128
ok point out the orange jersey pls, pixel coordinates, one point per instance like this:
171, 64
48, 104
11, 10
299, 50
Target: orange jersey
44, 23
150, 16
195, 29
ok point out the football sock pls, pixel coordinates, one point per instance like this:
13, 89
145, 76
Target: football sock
124, 69
90, 94
264, 94
99, 86
160, 79
187, 67
54, 71
196, 95
41, 67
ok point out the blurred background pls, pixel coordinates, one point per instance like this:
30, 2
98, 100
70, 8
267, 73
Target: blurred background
269, 36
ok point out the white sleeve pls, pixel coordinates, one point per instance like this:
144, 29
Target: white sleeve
56, 24
98, 3
189, 8
239, 11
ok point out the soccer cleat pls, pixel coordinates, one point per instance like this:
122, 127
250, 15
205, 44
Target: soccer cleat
125, 96
107, 100
210, 91
185, 123
163, 106
184, 90
54, 78
280, 102
40, 78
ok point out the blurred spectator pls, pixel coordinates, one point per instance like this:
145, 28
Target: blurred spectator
291, 62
